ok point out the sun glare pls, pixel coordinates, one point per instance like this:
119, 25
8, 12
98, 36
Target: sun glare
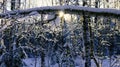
61, 14
67, 17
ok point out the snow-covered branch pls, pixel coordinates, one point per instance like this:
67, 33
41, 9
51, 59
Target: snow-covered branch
68, 9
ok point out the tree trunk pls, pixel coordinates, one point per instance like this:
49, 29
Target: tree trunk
15, 4
86, 36
12, 4
42, 58
86, 42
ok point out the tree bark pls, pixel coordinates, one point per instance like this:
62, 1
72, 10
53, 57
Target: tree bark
86, 36
42, 58
12, 4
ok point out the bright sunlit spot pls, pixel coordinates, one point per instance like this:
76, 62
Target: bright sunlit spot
67, 17
61, 14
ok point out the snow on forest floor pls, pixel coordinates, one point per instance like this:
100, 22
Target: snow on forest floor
30, 62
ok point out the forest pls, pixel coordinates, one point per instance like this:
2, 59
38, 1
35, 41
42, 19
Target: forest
60, 33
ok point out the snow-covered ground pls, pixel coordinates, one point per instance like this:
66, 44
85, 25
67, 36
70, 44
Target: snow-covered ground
30, 62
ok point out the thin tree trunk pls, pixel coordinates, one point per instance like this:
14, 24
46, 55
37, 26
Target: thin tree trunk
12, 4
92, 47
86, 42
42, 58
35, 58
92, 37
86, 37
